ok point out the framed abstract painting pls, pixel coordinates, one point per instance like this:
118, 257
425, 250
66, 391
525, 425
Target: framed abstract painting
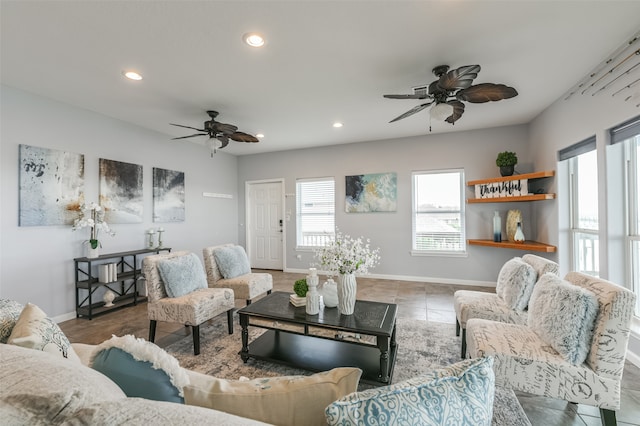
377, 192
121, 191
168, 195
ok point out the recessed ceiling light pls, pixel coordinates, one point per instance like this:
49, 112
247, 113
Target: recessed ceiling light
132, 75
259, 135
253, 39
337, 124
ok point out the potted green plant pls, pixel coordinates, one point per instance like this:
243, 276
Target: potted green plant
300, 287
506, 161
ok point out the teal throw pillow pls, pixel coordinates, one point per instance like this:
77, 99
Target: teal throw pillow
182, 275
232, 261
461, 394
141, 369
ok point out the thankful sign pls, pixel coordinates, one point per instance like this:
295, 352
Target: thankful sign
510, 188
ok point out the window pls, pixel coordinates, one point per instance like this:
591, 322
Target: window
628, 134
438, 212
583, 207
315, 212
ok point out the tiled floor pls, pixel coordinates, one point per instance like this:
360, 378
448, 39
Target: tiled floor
432, 302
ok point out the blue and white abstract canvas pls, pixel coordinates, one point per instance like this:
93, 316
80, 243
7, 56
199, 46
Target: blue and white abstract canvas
377, 192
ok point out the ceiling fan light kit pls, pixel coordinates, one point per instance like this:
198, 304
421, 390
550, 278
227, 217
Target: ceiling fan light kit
446, 94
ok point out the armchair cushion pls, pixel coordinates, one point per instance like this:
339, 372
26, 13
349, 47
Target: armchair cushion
140, 368
515, 283
9, 313
563, 315
232, 261
459, 394
182, 275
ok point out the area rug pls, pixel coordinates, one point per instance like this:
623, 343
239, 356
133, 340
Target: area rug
422, 346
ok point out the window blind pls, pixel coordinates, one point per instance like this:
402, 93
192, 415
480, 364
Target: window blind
625, 131
577, 149
315, 207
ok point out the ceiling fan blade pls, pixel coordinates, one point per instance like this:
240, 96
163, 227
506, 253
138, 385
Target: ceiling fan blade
485, 92
188, 127
411, 111
243, 137
458, 110
460, 78
190, 136
414, 96
224, 140
225, 129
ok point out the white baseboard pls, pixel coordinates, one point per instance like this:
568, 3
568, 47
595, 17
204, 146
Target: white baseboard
633, 358
420, 279
64, 317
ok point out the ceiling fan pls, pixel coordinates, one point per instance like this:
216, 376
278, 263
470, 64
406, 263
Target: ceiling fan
219, 133
450, 89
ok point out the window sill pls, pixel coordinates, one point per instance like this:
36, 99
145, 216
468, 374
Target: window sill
439, 253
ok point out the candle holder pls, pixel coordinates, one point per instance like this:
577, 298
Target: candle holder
151, 243
160, 231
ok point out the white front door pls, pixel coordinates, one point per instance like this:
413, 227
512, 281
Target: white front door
265, 230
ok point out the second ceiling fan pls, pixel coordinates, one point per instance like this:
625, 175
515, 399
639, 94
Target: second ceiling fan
452, 87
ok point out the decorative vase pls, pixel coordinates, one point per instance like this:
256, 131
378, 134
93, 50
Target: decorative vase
108, 298
313, 297
330, 293
513, 217
93, 253
497, 227
519, 235
347, 288
506, 170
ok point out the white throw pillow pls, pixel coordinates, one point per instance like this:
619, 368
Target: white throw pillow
515, 283
35, 330
563, 315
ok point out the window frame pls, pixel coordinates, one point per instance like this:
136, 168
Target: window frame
300, 215
632, 231
414, 212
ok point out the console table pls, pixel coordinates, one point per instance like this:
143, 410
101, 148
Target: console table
124, 286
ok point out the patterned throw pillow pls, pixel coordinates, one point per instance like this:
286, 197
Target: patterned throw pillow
182, 275
140, 368
9, 314
563, 315
37, 331
461, 394
515, 283
232, 261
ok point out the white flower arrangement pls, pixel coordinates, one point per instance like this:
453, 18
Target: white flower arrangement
92, 216
345, 255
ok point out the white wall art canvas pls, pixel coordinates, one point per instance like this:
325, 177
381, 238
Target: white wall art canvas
375, 192
168, 195
121, 191
51, 186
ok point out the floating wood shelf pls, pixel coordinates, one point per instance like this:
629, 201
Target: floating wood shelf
536, 175
532, 197
527, 245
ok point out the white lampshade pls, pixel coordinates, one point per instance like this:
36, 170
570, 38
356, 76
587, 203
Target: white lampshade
441, 111
213, 144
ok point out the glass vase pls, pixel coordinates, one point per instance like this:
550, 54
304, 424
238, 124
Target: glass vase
497, 227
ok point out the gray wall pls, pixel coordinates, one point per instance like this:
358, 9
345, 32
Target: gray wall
36, 263
475, 152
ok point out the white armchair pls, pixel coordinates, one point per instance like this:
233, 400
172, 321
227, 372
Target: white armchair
492, 306
227, 266
528, 358
192, 308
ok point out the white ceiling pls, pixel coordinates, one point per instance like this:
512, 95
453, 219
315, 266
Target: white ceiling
324, 61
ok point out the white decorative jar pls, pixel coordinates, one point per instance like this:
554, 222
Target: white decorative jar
93, 253
330, 293
313, 297
347, 288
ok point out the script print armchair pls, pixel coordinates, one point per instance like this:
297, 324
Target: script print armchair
509, 303
177, 292
228, 266
533, 358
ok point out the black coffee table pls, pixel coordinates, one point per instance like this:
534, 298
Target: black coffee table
326, 348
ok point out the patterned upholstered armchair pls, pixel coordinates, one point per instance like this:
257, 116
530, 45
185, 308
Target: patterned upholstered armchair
228, 266
178, 292
492, 306
533, 358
